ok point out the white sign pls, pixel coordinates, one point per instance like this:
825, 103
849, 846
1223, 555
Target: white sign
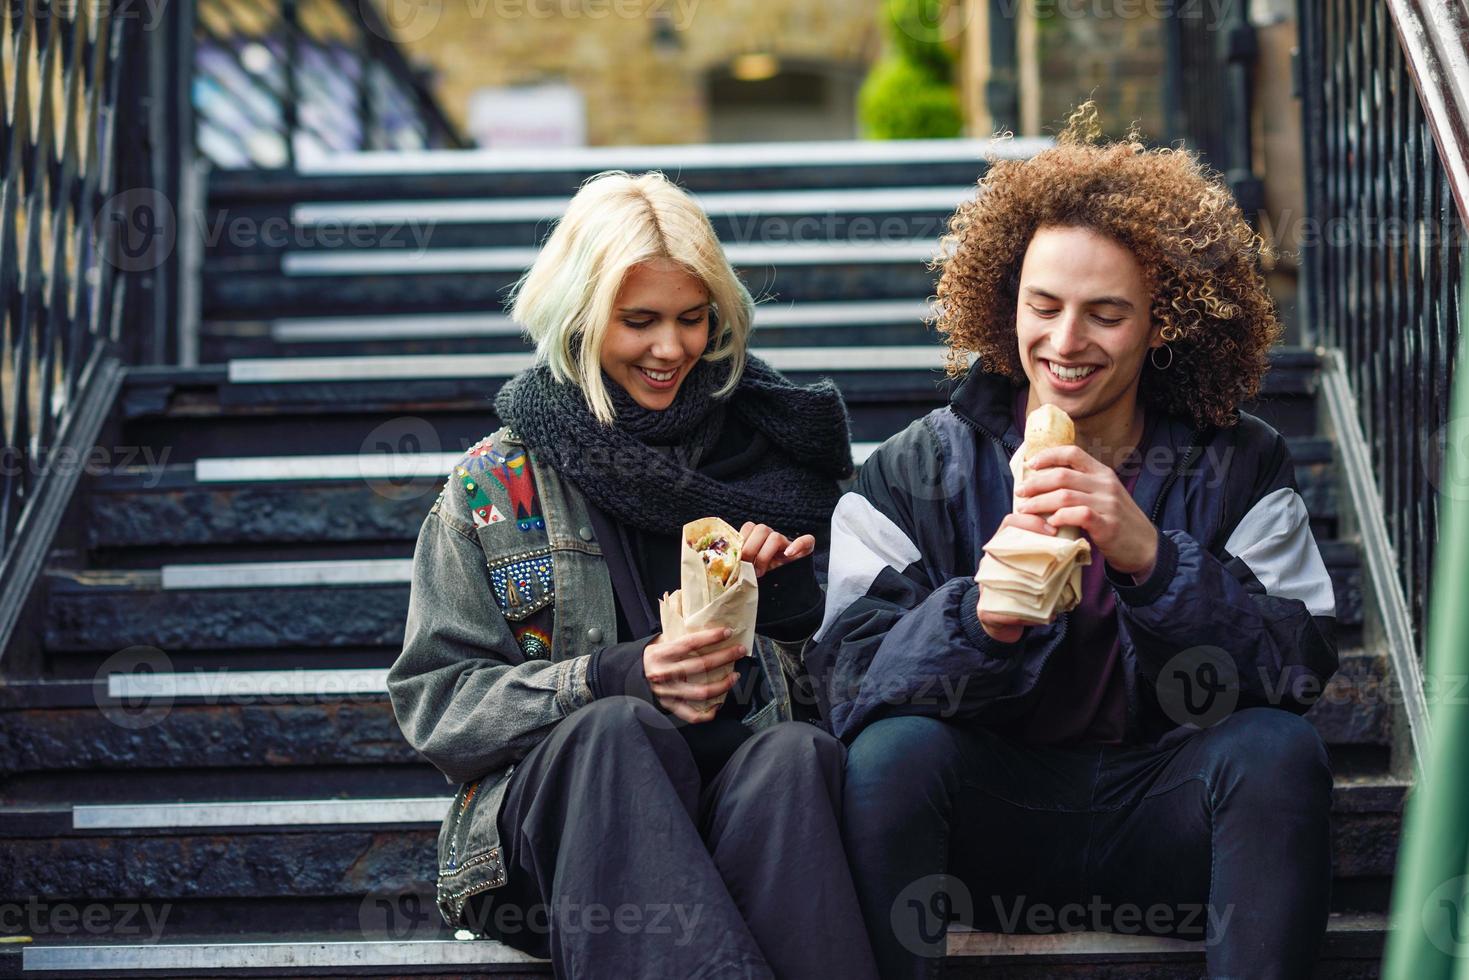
528, 116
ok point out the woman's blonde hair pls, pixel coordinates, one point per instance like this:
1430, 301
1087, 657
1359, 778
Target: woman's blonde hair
616, 221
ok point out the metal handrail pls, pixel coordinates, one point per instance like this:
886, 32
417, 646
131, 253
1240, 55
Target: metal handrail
276, 78
1385, 99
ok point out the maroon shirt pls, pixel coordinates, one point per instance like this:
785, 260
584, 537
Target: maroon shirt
1081, 697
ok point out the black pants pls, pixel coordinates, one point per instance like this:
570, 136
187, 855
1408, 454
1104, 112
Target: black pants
622, 864
1220, 835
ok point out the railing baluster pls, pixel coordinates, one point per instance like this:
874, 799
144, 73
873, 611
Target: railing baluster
1385, 292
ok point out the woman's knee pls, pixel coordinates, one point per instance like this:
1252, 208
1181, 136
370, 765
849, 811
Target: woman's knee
618, 719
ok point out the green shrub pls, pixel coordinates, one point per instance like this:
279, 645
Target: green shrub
916, 29
904, 100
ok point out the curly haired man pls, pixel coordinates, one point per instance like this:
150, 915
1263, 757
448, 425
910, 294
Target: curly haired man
1140, 763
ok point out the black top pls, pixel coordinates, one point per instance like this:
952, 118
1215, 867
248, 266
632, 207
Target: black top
644, 566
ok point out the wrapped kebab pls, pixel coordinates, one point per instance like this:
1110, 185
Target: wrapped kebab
717, 588
1032, 576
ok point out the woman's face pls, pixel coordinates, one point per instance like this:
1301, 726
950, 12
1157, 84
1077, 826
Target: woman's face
658, 332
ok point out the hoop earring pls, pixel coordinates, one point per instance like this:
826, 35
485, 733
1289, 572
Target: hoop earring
1153, 357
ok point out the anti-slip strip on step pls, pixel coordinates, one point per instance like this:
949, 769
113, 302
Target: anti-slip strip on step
716, 204
218, 686
375, 466
493, 324
260, 813
276, 574
673, 159
382, 367
362, 466
196, 957
387, 262
1076, 947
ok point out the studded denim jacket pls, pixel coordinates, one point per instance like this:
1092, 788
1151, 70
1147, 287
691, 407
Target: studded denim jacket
510, 597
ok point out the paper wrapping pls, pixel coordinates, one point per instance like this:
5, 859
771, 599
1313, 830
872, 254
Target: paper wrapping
1029, 575
701, 603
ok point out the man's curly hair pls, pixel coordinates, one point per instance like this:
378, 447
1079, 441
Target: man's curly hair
1177, 219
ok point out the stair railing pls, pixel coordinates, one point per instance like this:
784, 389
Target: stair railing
1385, 101
87, 267
278, 82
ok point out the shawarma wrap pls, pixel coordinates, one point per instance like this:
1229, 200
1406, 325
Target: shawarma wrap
716, 588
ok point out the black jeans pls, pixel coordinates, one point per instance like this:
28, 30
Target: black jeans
1220, 835
621, 863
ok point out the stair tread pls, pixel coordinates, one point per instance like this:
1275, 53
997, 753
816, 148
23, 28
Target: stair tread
1347, 934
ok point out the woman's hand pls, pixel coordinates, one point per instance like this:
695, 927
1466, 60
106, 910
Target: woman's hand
767, 550
1078, 491
1008, 629
678, 672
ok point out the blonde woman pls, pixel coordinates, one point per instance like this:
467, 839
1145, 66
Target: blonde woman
604, 818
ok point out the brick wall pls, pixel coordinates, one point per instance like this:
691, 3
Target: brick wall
640, 64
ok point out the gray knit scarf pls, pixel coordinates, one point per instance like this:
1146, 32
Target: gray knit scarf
644, 467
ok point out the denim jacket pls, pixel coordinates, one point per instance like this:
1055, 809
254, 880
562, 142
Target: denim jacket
510, 597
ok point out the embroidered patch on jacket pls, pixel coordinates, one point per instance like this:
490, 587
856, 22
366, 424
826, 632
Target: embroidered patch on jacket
534, 642
514, 473
523, 584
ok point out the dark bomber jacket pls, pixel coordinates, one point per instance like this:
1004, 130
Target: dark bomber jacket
1239, 603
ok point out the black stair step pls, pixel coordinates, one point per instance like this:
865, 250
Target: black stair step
196, 412
76, 726
409, 943
412, 286
170, 507
107, 610
49, 855
224, 339
456, 175
264, 232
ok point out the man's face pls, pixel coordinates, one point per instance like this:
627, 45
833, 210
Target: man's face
1082, 319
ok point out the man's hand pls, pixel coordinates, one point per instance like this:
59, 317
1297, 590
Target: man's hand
1078, 491
675, 670
1008, 629
767, 549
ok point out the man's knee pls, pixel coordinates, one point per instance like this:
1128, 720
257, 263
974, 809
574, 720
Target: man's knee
897, 761
1274, 749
